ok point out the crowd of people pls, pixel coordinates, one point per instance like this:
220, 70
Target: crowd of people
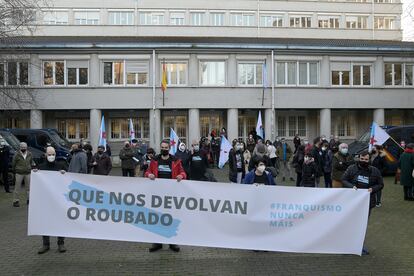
253, 161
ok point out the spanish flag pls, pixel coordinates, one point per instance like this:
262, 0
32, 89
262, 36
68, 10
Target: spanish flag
164, 77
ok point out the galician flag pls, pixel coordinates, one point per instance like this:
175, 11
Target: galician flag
259, 126
102, 134
131, 130
173, 142
378, 136
225, 148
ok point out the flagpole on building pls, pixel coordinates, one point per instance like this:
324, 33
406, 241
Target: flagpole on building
164, 82
264, 81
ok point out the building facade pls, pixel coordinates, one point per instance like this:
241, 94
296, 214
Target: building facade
309, 68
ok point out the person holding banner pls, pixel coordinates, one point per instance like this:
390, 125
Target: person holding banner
168, 167
259, 175
51, 164
364, 176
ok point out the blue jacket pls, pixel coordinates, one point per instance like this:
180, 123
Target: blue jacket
249, 178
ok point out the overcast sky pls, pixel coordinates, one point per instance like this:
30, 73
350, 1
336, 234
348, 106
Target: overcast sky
407, 19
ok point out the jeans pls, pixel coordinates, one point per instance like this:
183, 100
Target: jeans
328, 180
128, 172
298, 179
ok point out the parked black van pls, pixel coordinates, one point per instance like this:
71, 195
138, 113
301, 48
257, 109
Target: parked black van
42, 138
399, 133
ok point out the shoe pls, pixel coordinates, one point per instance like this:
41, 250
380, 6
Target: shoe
8, 191
27, 201
174, 247
378, 205
155, 247
43, 249
61, 248
292, 179
16, 204
365, 252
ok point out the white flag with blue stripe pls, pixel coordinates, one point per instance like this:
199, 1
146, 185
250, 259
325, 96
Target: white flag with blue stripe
225, 148
173, 142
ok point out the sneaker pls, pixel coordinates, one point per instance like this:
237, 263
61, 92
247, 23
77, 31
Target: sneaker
61, 248
365, 251
174, 247
43, 249
378, 205
155, 247
27, 201
16, 204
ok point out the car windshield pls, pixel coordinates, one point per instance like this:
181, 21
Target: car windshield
59, 139
10, 139
365, 137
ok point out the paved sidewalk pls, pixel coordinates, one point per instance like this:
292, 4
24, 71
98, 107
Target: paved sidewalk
390, 240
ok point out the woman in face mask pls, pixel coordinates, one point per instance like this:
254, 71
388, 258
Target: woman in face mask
259, 175
340, 162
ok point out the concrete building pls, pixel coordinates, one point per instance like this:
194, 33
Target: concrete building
312, 68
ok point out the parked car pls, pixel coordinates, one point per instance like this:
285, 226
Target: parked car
393, 151
42, 138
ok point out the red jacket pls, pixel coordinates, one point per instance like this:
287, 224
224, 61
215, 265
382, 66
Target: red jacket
176, 168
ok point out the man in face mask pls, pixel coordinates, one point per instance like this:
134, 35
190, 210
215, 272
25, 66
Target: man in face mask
51, 164
22, 165
79, 161
363, 176
168, 167
251, 143
4, 164
340, 162
102, 164
127, 155
259, 175
198, 164
284, 153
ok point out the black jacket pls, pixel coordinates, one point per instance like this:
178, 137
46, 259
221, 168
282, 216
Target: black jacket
53, 166
103, 166
364, 178
309, 173
233, 165
379, 163
4, 157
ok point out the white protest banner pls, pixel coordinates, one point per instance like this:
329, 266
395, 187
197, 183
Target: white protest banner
273, 218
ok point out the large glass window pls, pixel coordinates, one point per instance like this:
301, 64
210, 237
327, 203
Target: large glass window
137, 72
73, 129
177, 18
54, 72
197, 18
383, 22
344, 124
346, 73
250, 74
178, 123
247, 123
77, 72
125, 72
121, 17
273, 20
212, 73
409, 74
216, 18
297, 73
328, 22
289, 126
242, 19
86, 17
398, 74
210, 122
176, 73
151, 18
361, 74
55, 17
356, 22
300, 21
120, 128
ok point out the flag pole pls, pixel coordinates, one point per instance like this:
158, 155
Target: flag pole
163, 90
264, 81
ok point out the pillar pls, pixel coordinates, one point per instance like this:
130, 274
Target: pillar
36, 118
95, 118
194, 125
269, 124
155, 129
232, 123
379, 116
325, 122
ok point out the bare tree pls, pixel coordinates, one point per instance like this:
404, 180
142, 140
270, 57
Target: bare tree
17, 23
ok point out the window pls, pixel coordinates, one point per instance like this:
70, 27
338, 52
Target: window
271, 20
242, 19
361, 75
346, 73
210, 122
14, 73
121, 18
114, 73
74, 129
212, 73
77, 72
86, 17
247, 123
14, 122
54, 72
197, 18
328, 22
217, 19
177, 18
356, 22
384, 1
385, 23
125, 72
344, 124
178, 123
289, 125
55, 17
151, 18
250, 74
398, 74
300, 21
137, 72
297, 73
120, 128
176, 73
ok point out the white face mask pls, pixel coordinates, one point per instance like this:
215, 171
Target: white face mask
51, 158
196, 148
344, 151
182, 148
261, 168
324, 148
306, 158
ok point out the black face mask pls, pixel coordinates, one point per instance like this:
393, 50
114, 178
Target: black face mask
23, 150
100, 152
164, 152
363, 164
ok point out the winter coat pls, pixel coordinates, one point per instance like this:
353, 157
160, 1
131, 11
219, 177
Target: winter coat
355, 175
249, 179
21, 165
126, 154
57, 165
327, 157
406, 165
185, 160
317, 156
4, 157
340, 163
297, 161
379, 162
309, 174
103, 166
176, 168
79, 162
233, 166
